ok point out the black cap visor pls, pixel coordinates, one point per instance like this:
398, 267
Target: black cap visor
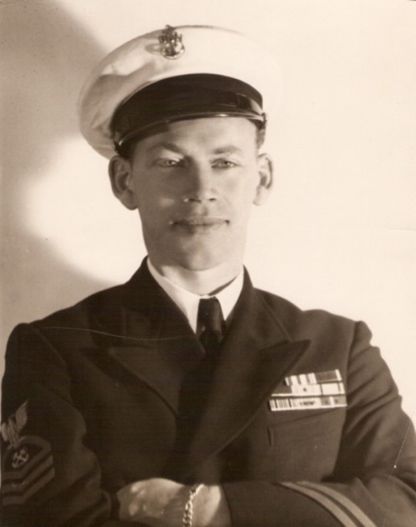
184, 97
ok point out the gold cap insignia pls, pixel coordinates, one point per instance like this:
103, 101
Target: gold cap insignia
171, 43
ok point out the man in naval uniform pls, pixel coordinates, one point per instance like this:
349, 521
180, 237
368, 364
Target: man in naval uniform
186, 397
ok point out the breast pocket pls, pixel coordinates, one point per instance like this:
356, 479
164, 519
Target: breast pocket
305, 445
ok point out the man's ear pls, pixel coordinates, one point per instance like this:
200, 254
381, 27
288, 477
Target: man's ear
265, 171
121, 178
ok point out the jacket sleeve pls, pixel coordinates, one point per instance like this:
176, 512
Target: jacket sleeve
49, 477
374, 482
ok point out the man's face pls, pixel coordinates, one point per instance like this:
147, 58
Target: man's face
194, 185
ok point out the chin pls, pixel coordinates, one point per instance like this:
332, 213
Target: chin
196, 261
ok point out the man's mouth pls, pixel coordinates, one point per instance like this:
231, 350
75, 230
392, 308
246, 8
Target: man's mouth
196, 224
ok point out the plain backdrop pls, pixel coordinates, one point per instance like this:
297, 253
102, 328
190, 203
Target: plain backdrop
339, 230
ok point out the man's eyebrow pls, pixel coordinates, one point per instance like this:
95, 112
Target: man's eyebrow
166, 146
227, 149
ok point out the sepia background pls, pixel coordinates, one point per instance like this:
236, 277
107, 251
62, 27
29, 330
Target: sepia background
339, 232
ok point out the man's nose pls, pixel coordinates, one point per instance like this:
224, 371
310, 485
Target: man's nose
200, 185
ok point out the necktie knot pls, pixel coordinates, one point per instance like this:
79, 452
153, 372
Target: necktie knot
210, 323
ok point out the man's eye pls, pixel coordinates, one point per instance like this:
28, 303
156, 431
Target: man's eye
168, 163
224, 163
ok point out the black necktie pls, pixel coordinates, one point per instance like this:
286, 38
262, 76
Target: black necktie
210, 326
196, 384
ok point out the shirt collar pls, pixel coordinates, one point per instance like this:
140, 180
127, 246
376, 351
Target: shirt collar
188, 302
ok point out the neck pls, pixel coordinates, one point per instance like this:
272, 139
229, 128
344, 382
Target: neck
200, 282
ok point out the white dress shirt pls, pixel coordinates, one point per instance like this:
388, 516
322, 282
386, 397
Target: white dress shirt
188, 302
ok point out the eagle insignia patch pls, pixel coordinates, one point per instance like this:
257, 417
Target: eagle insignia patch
10, 430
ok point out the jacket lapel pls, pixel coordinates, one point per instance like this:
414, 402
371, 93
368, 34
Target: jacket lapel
158, 347
256, 354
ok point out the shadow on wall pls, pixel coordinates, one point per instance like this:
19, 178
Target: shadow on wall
46, 56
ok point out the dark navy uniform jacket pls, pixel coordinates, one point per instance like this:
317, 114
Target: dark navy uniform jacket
91, 403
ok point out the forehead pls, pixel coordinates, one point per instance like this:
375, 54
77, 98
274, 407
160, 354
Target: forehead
207, 133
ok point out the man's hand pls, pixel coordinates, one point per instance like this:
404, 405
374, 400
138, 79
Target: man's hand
160, 502
157, 502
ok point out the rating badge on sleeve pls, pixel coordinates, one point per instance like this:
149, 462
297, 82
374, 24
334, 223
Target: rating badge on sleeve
27, 464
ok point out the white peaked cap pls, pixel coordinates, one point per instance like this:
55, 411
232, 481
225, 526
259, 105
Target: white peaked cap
147, 60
